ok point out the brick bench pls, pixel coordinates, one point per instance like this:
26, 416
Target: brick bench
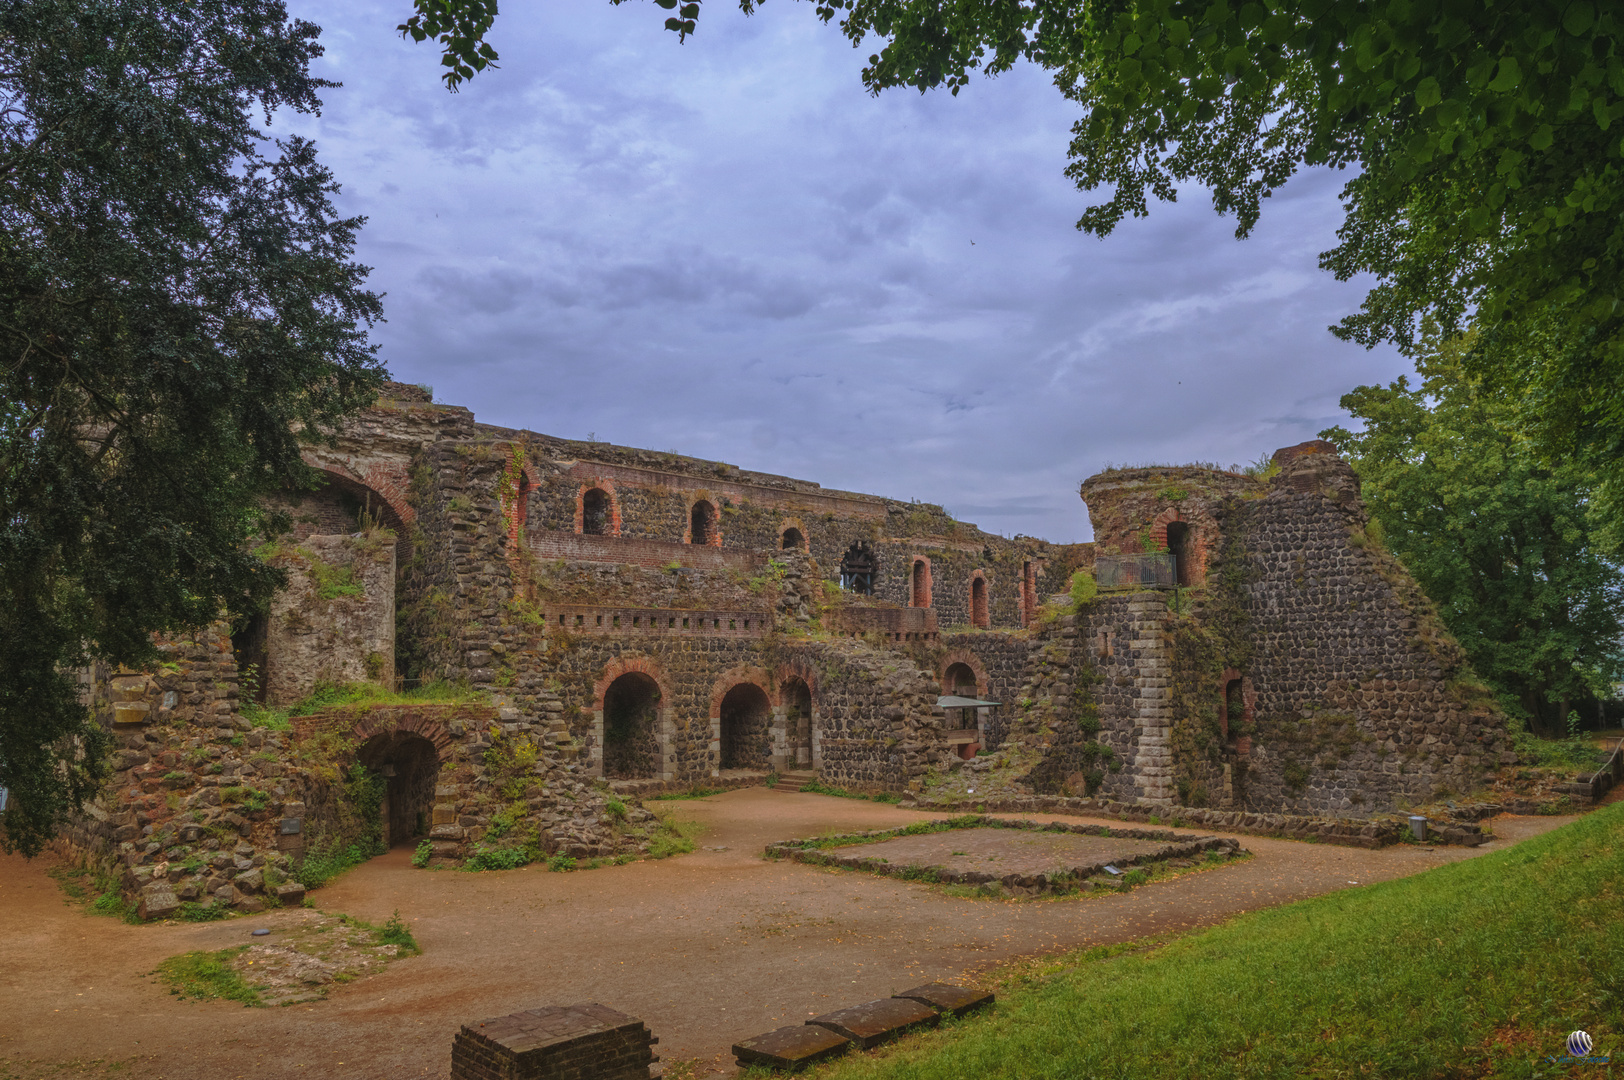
557, 1042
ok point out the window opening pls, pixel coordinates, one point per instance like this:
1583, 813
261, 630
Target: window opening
978, 603
702, 523
1178, 543
596, 515
793, 540
857, 568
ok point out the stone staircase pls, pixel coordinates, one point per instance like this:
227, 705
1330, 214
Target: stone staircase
794, 781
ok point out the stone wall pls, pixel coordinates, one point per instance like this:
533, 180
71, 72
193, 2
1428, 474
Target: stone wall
334, 622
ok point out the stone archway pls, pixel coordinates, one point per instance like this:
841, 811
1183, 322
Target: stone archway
631, 719
410, 767
744, 721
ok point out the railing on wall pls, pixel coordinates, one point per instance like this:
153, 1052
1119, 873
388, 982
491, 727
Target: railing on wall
1136, 571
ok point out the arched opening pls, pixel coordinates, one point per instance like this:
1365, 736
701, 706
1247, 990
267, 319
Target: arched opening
1178, 543
921, 584
978, 603
631, 711
1029, 592
410, 768
746, 734
596, 515
798, 721
1234, 707
250, 648
960, 681
792, 540
702, 523
857, 568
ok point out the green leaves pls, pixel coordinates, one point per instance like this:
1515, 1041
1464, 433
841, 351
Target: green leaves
459, 26
177, 299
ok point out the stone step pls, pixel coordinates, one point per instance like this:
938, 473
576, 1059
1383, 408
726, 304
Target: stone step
793, 781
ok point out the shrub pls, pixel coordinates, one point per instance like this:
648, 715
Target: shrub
1083, 588
394, 932
424, 852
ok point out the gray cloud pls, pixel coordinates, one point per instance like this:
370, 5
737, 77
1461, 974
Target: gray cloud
727, 248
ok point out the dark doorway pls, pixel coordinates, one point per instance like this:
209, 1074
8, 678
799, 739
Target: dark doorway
702, 523
595, 513
631, 711
746, 738
857, 568
793, 540
1178, 543
410, 767
978, 603
250, 648
798, 722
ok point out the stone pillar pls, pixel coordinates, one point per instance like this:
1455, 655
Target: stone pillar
716, 746
783, 757
1153, 713
594, 753
665, 737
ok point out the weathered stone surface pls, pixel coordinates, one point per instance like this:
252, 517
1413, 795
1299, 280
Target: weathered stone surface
874, 1022
790, 1047
946, 998
566, 1042
158, 901
290, 894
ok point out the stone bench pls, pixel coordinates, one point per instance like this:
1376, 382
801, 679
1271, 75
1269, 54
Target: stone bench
556, 1042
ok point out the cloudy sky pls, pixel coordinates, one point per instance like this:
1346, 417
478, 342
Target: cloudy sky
728, 249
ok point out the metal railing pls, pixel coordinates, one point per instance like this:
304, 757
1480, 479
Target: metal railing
1137, 571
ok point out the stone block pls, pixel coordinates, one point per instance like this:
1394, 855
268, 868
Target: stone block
945, 998
250, 881
790, 1048
874, 1022
292, 826
290, 894
446, 832
158, 901
558, 1042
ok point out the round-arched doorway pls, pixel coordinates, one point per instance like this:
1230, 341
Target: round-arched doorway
631, 713
410, 768
746, 728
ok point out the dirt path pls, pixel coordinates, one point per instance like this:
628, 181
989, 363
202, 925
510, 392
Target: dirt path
707, 948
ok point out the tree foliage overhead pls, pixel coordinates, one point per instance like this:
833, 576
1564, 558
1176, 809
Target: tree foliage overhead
1504, 543
178, 306
1487, 137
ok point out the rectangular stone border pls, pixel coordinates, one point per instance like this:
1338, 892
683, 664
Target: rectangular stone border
814, 851
1349, 832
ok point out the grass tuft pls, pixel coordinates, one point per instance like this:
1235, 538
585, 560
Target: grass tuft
204, 975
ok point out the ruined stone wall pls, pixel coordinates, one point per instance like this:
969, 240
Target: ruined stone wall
335, 620
1351, 669
999, 660
1131, 510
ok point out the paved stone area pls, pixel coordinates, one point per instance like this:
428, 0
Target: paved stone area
1004, 851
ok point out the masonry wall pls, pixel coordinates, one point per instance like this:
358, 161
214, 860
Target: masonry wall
335, 620
1354, 706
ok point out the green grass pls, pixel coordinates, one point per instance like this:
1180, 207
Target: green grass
674, 838
698, 791
395, 932
204, 975
818, 788
337, 695
1579, 753
99, 892
323, 864
1475, 968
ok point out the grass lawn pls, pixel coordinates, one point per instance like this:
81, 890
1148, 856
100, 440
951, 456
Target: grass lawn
1475, 969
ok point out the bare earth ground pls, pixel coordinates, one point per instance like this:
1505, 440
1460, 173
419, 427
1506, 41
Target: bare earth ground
1007, 851
706, 948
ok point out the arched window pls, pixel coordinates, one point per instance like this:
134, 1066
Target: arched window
597, 513
702, 523
1178, 543
1234, 705
1029, 592
857, 568
978, 602
793, 540
921, 583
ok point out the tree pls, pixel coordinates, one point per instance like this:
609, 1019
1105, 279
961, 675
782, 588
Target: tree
178, 308
1505, 544
1490, 172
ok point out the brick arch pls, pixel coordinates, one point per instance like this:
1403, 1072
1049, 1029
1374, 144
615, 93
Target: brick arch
628, 665
789, 523
607, 486
515, 514
733, 677
715, 516
1158, 527
969, 660
386, 492
793, 670
981, 617
918, 596
383, 723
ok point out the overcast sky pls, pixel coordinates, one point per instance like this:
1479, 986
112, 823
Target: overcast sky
726, 248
